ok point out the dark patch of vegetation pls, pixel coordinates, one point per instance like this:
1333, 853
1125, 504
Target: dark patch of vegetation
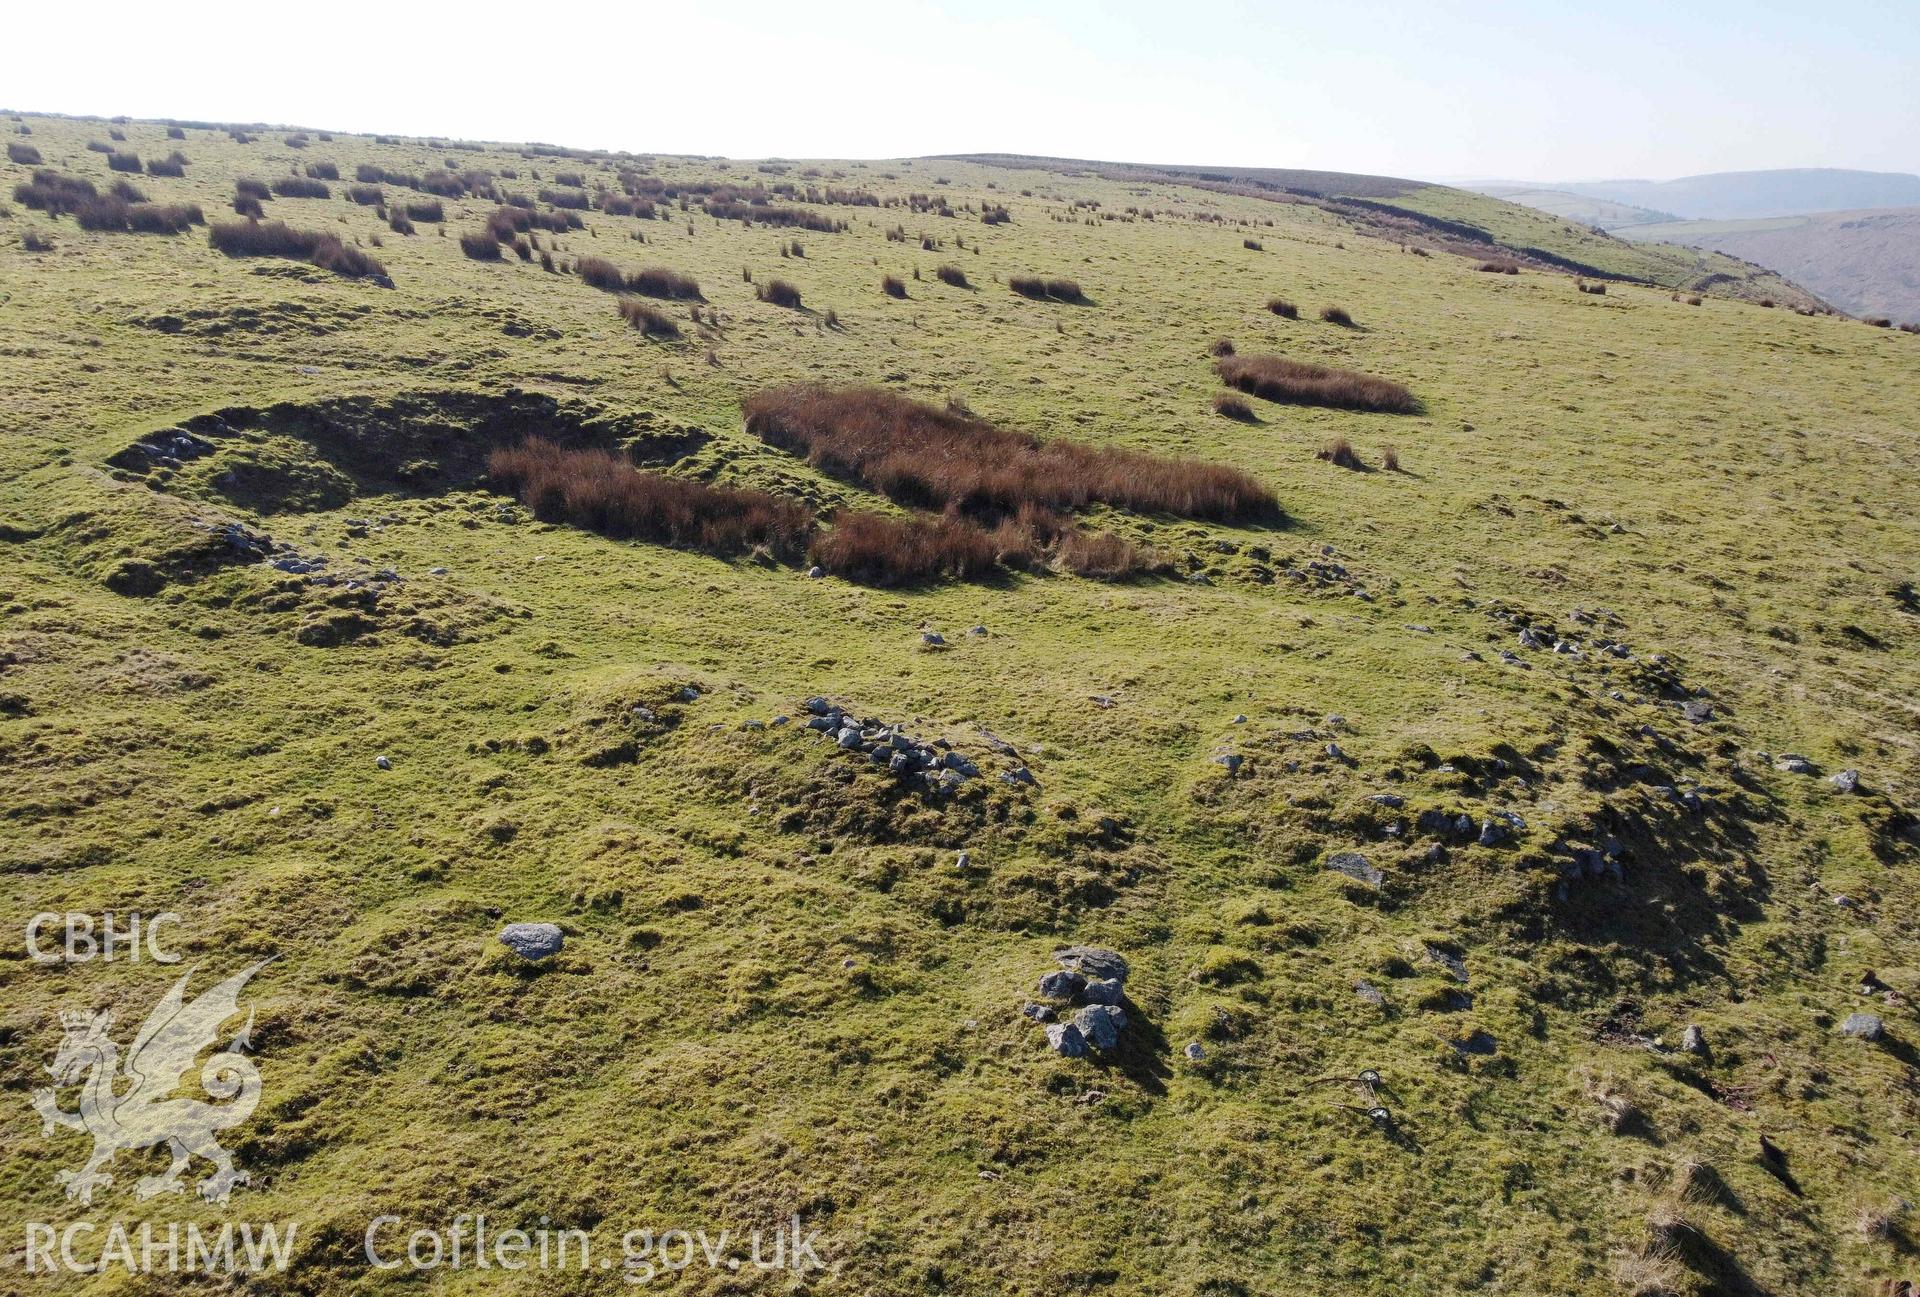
252, 188
249, 206
323, 171
650, 320
572, 199
1390, 459
1295, 382
124, 161
54, 193
1281, 307
1336, 315
35, 241
782, 217
481, 247
1252, 245
995, 214
113, 213
1232, 407
603, 492
1339, 451
952, 276
168, 166
367, 195
25, 154
1042, 288
300, 187
893, 286
1598, 290
1500, 266
939, 459
1221, 347
278, 239
427, 210
658, 281
876, 550
779, 292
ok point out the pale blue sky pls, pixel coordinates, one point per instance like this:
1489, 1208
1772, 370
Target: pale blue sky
1538, 90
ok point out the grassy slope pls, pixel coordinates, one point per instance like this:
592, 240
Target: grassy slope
1580, 208
703, 1053
1867, 263
1667, 265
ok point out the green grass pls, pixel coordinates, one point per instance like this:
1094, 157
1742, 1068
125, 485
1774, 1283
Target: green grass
779, 994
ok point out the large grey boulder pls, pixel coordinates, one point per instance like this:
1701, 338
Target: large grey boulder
1093, 961
1863, 1026
1099, 992
1101, 1024
535, 941
1355, 866
1065, 1039
1061, 984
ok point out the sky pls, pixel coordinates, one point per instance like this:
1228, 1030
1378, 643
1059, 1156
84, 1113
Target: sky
1438, 89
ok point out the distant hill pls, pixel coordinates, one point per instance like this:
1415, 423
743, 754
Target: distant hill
1747, 195
1866, 263
1471, 223
1603, 212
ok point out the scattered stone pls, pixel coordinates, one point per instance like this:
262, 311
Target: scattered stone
1368, 994
535, 941
1392, 801
1241, 719
1102, 701
1232, 761
1194, 1052
816, 572
1093, 961
1065, 1040
1037, 1012
1693, 1040
1097, 991
849, 738
1863, 1026
933, 638
1453, 963
1492, 833
383, 763
1333, 750
1355, 866
1795, 764
1019, 775
1846, 781
688, 694
1061, 984
976, 630
1697, 712
1101, 1025
436, 571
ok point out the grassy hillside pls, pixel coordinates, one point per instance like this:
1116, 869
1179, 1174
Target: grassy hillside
276, 653
1866, 263
1581, 208
1459, 220
1665, 264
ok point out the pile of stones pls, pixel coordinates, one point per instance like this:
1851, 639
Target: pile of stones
937, 765
1080, 1003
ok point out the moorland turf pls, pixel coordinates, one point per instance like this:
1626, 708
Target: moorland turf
781, 990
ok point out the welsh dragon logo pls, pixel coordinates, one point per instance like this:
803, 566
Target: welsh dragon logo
134, 1105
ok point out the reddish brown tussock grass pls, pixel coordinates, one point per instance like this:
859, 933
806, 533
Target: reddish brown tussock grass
650, 321
1295, 382
1041, 288
1337, 315
780, 293
1339, 451
876, 550
1233, 407
930, 458
604, 493
1281, 307
277, 239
